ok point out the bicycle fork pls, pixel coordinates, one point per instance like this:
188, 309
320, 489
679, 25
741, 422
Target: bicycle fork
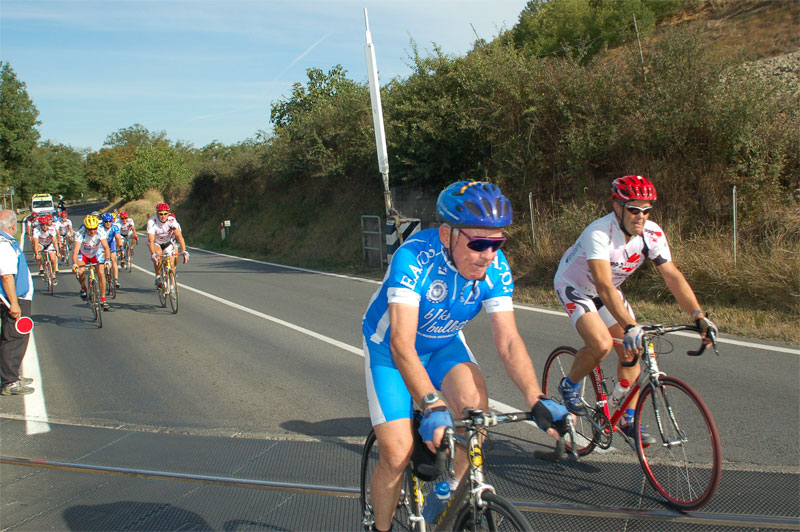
657, 388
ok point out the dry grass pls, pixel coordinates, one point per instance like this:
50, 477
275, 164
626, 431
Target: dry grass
757, 296
140, 210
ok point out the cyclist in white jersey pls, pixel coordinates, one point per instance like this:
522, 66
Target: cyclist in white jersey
161, 229
45, 240
587, 283
91, 247
127, 228
64, 227
438, 280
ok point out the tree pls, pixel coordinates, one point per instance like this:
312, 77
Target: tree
159, 167
103, 167
18, 133
135, 136
579, 28
66, 169
320, 87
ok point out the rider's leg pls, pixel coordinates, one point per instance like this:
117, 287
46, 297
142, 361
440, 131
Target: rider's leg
395, 440
53, 264
101, 277
597, 345
465, 387
157, 263
114, 270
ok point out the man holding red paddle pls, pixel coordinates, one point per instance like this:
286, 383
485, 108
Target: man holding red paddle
16, 292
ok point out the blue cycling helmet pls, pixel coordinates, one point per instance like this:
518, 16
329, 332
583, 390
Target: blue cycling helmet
474, 204
107, 217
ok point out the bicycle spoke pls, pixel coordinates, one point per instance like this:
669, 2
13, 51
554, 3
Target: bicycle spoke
556, 368
685, 465
405, 504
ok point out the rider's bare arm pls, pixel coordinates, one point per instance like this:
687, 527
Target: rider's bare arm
679, 287
404, 319
601, 273
514, 355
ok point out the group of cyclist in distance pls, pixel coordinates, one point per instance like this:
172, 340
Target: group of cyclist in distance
97, 241
437, 281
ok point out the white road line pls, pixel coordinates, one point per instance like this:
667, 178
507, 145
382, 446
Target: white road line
36, 420
521, 307
496, 405
267, 317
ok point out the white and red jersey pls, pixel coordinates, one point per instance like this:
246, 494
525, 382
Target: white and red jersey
63, 226
90, 245
126, 227
45, 237
162, 232
603, 239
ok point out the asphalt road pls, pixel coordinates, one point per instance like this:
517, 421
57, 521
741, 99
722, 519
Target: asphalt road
261, 349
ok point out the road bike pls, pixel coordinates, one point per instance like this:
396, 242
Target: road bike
685, 463
49, 272
111, 285
473, 505
66, 250
169, 286
127, 255
93, 293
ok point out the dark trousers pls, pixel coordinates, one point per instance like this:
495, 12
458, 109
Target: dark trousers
12, 344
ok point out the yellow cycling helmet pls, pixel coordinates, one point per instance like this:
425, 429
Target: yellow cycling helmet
91, 222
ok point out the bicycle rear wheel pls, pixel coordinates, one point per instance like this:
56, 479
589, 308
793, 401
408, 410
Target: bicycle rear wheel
685, 468
556, 368
173, 292
496, 514
406, 505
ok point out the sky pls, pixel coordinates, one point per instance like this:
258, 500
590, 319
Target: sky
205, 71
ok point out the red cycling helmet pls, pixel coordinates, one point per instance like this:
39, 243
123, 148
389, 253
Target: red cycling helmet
123, 215
162, 207
633, 187
45, 219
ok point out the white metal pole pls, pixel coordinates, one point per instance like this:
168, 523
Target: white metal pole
530, 205
377, 116
734, 226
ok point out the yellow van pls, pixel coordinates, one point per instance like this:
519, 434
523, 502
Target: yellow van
42, 204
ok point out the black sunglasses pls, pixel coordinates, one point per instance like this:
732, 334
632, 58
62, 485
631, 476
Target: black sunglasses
481, 244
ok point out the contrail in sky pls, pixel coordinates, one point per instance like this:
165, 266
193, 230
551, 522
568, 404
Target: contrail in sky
306, 52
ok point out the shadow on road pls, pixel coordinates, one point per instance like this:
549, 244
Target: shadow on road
130, 515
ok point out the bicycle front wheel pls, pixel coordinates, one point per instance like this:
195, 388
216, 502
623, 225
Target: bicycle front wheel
129, 258
162, 291
685, 464
98, 312
406, 505
556, 368
495, 514
92, 296
173, 292
49, 276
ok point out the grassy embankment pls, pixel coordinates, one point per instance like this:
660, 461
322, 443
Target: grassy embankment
692, 133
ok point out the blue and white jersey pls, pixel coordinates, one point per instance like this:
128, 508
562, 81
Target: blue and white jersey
421, 275
112, 232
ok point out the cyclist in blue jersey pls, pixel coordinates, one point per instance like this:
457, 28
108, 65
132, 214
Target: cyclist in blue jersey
111, 230
415, 352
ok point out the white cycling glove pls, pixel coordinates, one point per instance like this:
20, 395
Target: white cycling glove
633, 337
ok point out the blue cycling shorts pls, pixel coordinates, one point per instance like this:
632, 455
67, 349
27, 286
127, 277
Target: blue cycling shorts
389, 399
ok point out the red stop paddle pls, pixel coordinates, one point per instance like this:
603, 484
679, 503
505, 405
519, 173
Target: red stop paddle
24, 325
